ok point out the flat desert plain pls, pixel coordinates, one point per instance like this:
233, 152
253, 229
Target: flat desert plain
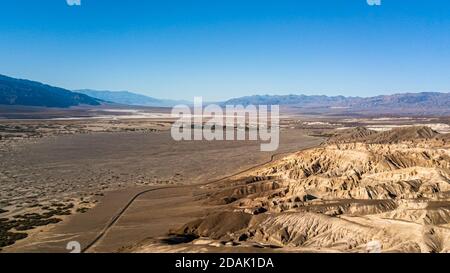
336, 184
65, 181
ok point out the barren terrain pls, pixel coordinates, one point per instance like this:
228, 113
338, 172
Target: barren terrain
335, 185
54, 170
360, 188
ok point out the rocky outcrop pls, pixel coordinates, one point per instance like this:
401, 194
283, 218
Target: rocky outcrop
363, 186
396, 135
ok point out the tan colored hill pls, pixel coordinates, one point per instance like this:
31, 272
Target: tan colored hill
396, 135
391, 188
351, 135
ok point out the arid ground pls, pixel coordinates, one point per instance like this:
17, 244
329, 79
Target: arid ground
361, 191
58, 170
336, 184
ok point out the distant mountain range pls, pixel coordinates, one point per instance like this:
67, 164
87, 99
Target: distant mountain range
29, 93
297, 100
430, 102
129, 98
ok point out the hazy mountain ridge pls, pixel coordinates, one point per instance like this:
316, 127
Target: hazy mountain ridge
300, 100
129, 98
406, 100
30, 93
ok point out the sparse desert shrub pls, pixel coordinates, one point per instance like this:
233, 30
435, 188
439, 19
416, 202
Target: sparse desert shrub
82, 210
9, 238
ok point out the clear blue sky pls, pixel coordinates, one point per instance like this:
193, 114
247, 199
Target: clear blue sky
228, 48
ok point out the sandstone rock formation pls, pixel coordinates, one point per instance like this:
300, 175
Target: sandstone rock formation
361, 187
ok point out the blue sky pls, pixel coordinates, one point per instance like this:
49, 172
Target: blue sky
229, 48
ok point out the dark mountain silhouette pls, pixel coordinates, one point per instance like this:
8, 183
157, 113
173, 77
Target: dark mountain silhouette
29, 93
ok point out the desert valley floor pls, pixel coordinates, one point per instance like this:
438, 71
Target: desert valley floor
125, 185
